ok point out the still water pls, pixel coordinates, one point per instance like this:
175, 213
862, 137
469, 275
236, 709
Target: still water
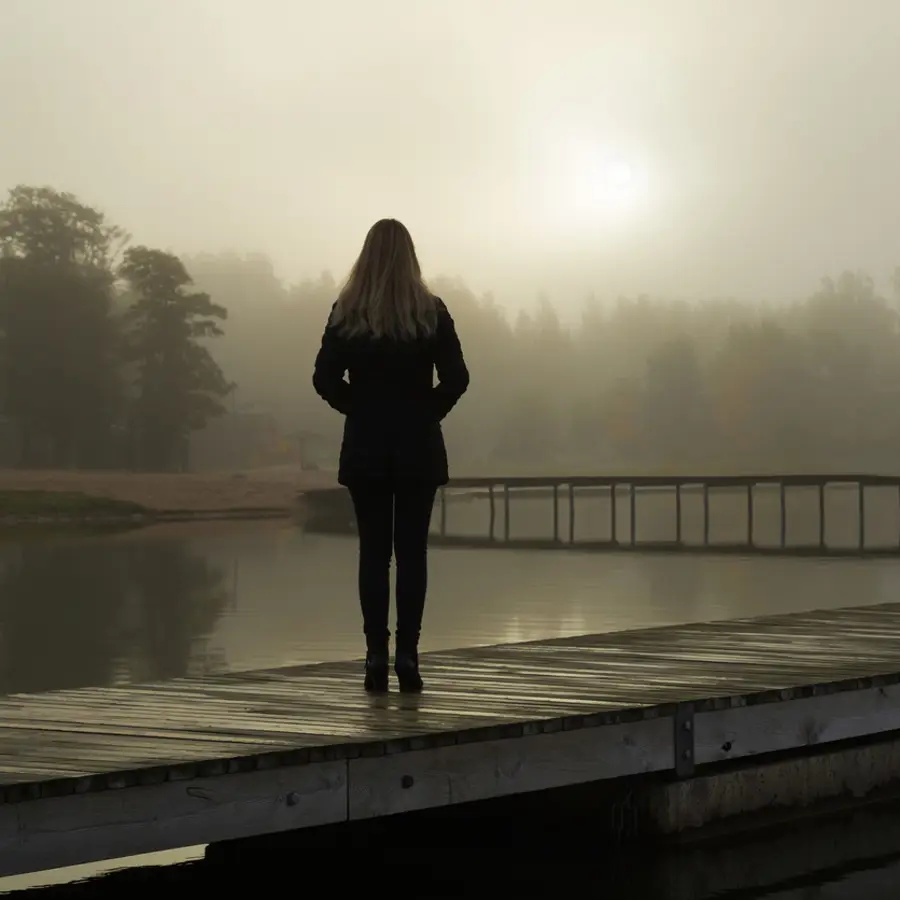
178, 599
163, 602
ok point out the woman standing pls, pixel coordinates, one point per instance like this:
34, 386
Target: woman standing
390, 334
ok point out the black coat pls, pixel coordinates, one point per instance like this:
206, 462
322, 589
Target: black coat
393, 409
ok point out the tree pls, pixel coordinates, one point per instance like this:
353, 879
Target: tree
764, 397
675, 402
59, 338
176, 384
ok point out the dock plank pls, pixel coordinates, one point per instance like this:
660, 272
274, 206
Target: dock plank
100, 772
97, 731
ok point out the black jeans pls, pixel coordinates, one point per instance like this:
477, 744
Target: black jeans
393, 518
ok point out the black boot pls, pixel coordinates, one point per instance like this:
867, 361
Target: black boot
377, 663
406, 665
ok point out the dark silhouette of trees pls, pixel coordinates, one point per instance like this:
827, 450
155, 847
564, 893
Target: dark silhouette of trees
114, 357
176, 385
59, 360
636, 383
91, 374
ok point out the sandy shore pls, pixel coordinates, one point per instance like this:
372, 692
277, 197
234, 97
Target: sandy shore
207, 492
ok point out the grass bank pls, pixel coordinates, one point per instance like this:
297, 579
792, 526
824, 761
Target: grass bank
35, 507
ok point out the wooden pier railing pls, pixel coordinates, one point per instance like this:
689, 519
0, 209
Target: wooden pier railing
753, 501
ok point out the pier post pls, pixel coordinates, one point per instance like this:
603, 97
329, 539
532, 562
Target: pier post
683, 740
678, 513
612, 514
555, 512
749, 515
505, 512
822, 516
493, 515
632, 500
782, 499
861, 496
571, 514
443, 512
705, 514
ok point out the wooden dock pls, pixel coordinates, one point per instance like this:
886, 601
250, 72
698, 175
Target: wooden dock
106, 772
679, 510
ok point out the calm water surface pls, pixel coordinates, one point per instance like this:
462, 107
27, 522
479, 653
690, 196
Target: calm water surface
172, 600
163, 602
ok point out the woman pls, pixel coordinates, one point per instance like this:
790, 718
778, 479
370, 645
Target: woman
389, 334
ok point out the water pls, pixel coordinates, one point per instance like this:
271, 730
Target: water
180, 599
809, 861
83, 610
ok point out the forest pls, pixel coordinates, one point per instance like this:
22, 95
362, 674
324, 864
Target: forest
637, 384
104, 356
113, 354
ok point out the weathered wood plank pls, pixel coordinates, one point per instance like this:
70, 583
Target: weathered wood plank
92, 773
240, 715
62, 831
478, 771
771, 727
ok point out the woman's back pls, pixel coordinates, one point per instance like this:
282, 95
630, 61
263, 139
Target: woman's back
392, 406
392, 380
389, 335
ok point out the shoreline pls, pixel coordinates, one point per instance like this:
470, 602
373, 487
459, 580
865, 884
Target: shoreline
59, 499
149, 517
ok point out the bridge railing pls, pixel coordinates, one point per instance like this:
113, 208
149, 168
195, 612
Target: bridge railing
498, 492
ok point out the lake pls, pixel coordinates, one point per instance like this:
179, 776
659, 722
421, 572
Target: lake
162, 602
171, 600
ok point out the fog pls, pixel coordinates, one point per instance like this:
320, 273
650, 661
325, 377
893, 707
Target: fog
760, 136
630, 208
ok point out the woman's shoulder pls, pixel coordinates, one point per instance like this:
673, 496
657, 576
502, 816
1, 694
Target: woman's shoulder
440, 306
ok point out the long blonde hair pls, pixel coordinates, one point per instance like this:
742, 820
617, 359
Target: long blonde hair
384, 295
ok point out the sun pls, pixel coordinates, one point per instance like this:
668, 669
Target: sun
614, 185
590, 186
619, 175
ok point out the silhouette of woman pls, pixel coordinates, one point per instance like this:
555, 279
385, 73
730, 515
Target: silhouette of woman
390, 334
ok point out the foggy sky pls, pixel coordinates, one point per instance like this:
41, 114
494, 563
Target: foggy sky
762, 136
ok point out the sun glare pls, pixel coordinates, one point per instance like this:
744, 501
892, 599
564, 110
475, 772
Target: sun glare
615, 186
619, 175
594, 189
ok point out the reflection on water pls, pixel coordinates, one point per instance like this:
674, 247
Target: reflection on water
474, 857
181, 599
90, 611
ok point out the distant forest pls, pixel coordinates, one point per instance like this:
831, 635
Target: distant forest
113, 355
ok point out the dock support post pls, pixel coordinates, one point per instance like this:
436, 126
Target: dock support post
705, 515
782, 498
862, 516
571, 514
632, 500
493, 519
506, 512
612, 514
822, 516
443, 512
555, 513
678, 513
683, 721
749, 515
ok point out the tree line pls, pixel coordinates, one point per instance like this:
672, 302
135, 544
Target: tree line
104, 357
113, 355
637, 383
